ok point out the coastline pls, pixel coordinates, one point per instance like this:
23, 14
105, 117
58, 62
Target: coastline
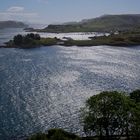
77, 44
82, 46
121, 39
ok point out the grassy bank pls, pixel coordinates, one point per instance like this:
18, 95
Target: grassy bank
121, 39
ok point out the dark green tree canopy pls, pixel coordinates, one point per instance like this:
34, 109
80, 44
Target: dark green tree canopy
28, 40
55, 134
18, 39
135, 95
108, 114
33, 36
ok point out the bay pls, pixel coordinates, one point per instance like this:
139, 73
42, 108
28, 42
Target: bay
45, 87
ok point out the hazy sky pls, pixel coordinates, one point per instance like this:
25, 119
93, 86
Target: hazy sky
53, 11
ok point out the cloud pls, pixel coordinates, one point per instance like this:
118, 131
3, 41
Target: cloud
15, 9
18, 13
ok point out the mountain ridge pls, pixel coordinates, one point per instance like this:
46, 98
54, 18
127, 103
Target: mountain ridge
12, 24
105, 23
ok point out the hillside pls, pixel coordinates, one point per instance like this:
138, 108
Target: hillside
12, 24
104, 23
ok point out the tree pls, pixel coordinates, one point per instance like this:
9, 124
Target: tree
31, 36
55, 134
18, 39
37, 37
108, 114
38, 136
27, 40
135, 95
136, 123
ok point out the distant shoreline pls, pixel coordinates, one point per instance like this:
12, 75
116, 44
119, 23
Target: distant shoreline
105, 23
121, 39
31, 47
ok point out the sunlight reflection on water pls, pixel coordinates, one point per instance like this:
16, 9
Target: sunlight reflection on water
45, 87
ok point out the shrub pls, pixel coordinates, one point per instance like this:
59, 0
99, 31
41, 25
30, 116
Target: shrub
55, 134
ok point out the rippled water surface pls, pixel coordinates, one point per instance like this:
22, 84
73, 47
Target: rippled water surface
45, 87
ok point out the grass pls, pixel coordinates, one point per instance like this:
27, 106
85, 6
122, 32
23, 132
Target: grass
48, 41
122, 39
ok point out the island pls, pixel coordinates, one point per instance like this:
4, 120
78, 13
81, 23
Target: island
125, 38
123, 30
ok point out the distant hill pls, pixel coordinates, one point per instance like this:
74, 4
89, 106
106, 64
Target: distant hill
12, 24
104, 23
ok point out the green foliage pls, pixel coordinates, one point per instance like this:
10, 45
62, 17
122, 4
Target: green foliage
121, 39
59, 134
38, 136
37, 37
48, 41
18, 39
33, 36
27, 41
110, 113
135, 95
135, 124
55, 134
31, 40
34, 40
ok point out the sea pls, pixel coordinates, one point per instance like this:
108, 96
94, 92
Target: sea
46, 87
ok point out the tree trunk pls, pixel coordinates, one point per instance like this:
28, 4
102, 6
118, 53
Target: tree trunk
107, 134
127, 133
101, 136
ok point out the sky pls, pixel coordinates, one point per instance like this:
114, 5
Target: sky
59, 11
